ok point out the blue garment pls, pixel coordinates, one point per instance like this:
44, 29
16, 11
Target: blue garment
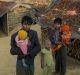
56, 36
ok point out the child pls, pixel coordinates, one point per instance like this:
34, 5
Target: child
66, 34
47, 62
22, 41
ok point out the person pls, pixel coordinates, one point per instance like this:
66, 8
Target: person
47, 63
33, 49
60, 54
22, 42
66, 34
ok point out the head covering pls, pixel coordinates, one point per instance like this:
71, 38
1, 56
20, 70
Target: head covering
22, 34
66, 28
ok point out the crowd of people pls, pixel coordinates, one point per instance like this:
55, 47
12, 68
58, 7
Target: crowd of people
25, 44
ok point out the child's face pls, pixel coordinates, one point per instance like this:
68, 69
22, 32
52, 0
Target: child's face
47, 44
65, 33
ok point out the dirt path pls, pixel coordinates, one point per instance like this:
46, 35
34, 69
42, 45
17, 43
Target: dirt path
7, 61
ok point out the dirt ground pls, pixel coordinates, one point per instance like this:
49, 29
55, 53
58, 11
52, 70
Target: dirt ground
8, 62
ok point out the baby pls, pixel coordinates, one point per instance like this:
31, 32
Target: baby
22, 42
66, 34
